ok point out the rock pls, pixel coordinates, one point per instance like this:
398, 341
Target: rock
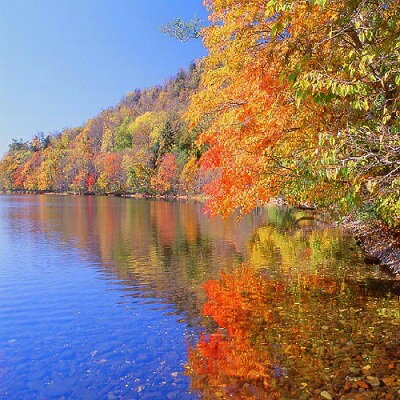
366, 369
373, 381
347, 386
360, 396
389, 381
370, 259
362, 384
326, 395
355, 371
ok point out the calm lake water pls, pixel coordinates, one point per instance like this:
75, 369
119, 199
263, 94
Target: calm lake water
112, 298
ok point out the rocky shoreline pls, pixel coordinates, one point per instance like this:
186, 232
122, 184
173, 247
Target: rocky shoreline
380, 244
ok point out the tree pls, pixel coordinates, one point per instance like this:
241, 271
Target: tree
183, 30
123, 136
111, 174
166, 176
300, 98
166, 139
189, 177
17, 145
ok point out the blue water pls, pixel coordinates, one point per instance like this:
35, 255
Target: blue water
100, 298
69, 329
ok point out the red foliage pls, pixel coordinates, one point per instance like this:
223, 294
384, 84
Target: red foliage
167, 174
90, 182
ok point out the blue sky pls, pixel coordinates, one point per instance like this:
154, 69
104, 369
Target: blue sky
63, 61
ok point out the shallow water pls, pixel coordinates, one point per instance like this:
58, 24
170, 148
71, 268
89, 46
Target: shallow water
112, 298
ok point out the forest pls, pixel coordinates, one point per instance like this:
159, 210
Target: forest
296, 100
141, 146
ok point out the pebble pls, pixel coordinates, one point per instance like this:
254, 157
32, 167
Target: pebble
373, 380
326, 395
362, 384
366, 369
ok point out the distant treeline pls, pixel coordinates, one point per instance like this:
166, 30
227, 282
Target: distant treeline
140, 146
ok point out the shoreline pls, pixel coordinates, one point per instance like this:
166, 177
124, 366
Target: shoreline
199, 197
381, 245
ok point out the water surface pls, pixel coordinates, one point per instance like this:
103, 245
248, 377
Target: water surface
112, 298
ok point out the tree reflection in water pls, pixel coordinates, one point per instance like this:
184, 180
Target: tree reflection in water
292, 326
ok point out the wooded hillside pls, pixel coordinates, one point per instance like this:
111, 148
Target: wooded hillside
142, 145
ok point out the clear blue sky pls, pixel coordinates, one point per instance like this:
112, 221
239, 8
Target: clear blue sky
63, 61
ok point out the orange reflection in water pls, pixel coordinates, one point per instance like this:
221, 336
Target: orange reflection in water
293, 339
232, 362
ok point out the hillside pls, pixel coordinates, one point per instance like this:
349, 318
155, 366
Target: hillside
141, 146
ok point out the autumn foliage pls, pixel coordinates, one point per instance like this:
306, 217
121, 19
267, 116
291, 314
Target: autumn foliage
301, 99
141, 146
163, 181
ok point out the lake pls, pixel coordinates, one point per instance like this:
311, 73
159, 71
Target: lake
115, 298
